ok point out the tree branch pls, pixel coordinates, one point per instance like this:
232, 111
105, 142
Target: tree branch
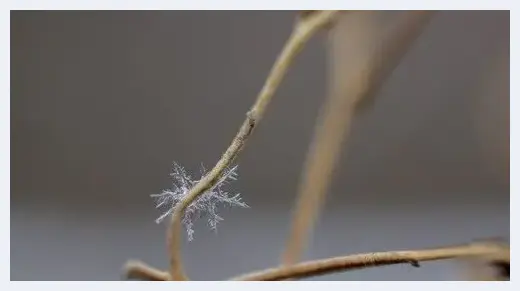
303, 31
356, 72
360, 261
141, 271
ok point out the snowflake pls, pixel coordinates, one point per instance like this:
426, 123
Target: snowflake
204, 206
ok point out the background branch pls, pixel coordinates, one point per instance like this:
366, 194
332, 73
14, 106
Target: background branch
141, 271
356, 71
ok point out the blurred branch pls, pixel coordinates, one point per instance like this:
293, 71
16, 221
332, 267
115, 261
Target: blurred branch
390, 52
360, 261
141, 271
489, 267
356, 72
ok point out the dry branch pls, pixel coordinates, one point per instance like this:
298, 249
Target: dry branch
304, 30
356, 72
360, 261
141, 271
301, 34
494, 254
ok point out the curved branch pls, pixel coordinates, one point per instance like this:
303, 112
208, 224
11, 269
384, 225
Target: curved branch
303, 31
141, 271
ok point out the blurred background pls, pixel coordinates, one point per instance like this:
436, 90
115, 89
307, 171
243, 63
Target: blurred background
102, 103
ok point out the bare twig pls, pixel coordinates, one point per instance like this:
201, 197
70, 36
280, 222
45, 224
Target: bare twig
139, 270
360, 261
301, 34
353, 31
352, 80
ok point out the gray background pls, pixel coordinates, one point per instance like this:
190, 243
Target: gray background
103, 102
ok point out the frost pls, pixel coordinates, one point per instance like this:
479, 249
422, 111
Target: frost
205, 205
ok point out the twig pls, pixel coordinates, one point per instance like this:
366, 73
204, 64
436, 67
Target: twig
360, 261
301, 34
139, 270
352, 82
331, 129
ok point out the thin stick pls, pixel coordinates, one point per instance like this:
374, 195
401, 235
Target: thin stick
301, 34
360, 261
333, 124
139, 270
352, 81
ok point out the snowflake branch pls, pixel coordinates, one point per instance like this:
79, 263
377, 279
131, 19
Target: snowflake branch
205, 204
301, 34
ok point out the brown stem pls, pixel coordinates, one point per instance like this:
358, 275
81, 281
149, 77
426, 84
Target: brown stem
301, 34
356, 72
139, 270
359, 261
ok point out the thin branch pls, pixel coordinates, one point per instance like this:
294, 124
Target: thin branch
141, 271
360, 261
301, 34
392, 50
352, 82
352, 32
